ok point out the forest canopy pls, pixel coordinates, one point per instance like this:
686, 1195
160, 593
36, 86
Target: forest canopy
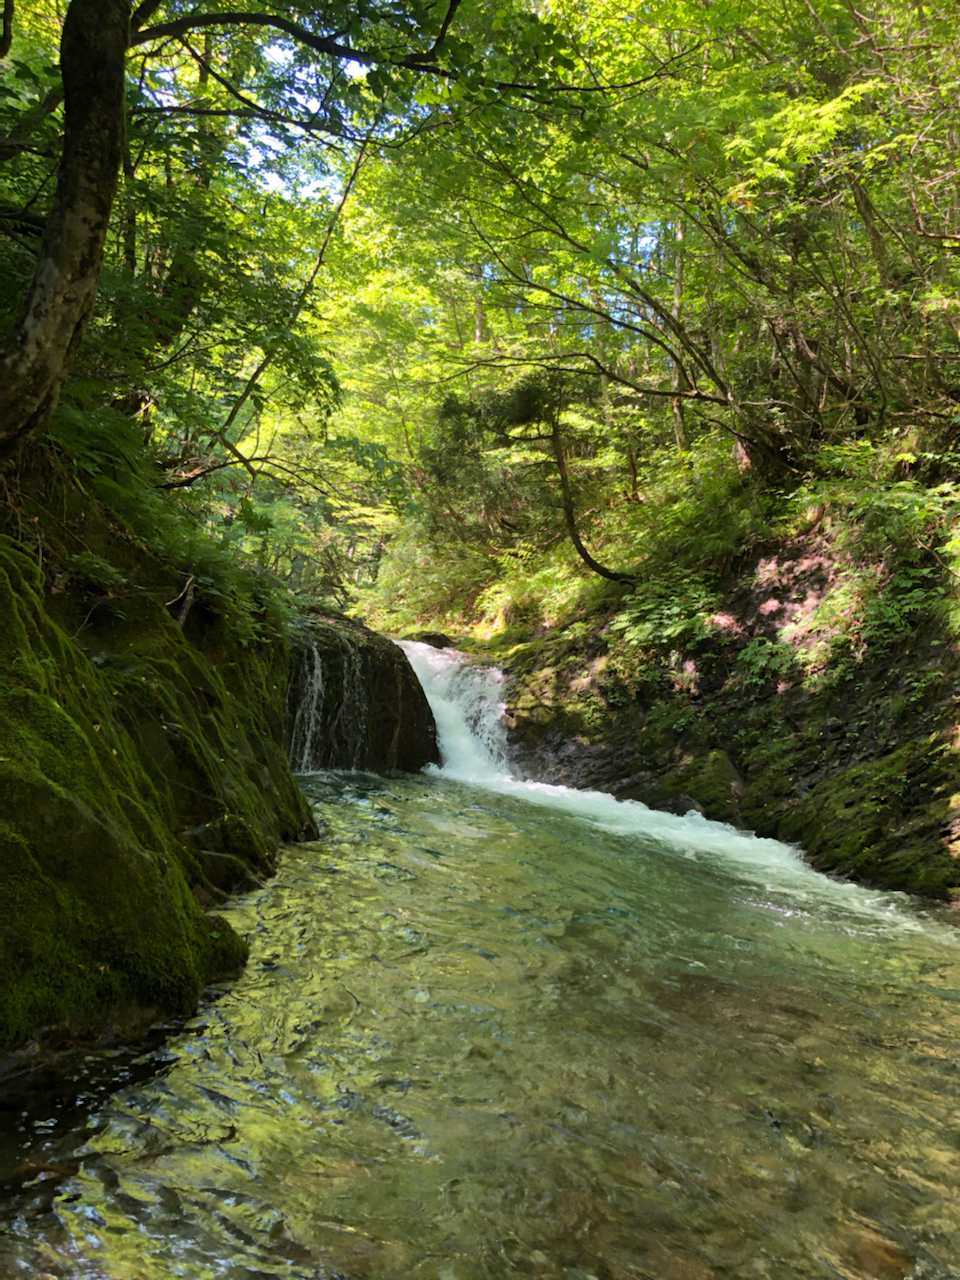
448, 310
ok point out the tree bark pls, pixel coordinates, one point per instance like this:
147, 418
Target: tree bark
680, 384
569, 513
36, 356
6, 40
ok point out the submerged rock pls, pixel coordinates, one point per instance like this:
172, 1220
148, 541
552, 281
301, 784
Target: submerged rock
434, 638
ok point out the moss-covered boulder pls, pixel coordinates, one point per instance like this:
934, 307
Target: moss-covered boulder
142, 775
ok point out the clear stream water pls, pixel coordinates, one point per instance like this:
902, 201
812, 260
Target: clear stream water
494, 1029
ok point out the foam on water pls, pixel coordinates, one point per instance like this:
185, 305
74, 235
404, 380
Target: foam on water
467, 701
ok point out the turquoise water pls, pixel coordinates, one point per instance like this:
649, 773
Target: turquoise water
482, 1037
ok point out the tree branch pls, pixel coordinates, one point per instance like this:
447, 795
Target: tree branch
271, 350
569, 514
319, 44
454, 6
143, 12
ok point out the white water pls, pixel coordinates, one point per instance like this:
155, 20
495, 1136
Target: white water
307, 713
468, 705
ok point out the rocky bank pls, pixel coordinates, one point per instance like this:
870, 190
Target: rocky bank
844, 744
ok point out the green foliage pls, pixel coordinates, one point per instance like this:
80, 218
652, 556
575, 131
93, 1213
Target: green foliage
732, 298
104, 447
672, 716
869, 610
697, 509
385, 475
878, 514
671, 612
425, 581
761, 660
93, 572
542, 589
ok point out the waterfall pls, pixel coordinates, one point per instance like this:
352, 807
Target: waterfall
467, 701
326, 707
304, 709
468, 706
348, 731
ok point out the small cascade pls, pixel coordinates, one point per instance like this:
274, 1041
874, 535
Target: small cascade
304, 707
326, 707
348, 730
354, 702
468, 705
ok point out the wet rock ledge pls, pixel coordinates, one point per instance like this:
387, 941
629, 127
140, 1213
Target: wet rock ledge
353, 701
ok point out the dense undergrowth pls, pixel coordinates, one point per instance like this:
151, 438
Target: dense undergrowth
887, 515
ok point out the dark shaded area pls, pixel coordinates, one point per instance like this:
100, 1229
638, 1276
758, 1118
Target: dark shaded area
354, 702
142, 774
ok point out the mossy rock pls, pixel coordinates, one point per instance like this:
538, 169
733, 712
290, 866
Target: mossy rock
112, 744
880, 822
365, 709
712, 781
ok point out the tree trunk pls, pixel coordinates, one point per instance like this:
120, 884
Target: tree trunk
479, 320
679, 381
569, 514
36, 356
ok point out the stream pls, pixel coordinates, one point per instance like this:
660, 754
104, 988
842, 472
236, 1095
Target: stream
492, 1028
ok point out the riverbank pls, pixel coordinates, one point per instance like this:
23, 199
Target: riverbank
142, 774
765, 709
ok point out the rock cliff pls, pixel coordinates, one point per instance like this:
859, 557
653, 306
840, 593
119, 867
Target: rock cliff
142, 775
144, 771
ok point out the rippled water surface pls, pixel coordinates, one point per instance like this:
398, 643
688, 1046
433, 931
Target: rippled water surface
483, 1036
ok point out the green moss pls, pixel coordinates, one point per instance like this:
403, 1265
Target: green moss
113, 746
864, 822
711, 780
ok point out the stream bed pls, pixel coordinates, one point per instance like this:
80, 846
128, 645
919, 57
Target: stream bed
493, 1029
